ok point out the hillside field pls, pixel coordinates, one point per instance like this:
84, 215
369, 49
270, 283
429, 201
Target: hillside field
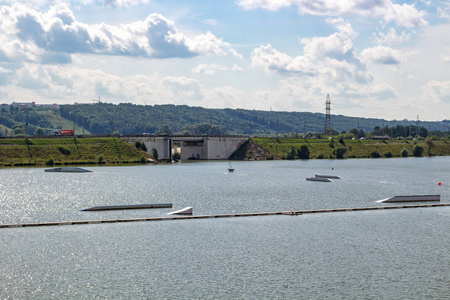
348, 148
64, 151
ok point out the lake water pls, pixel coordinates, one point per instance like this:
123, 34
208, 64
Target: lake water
386, 254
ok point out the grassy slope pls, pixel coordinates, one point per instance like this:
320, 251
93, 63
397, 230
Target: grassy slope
66, 151
355, 148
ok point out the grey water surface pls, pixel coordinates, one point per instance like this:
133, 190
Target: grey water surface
387, 254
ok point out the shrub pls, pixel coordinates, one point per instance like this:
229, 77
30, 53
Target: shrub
100, 159
320, 155
388, 154
417, 150
50, 162
331, 144
341, 140
303, 153
404, 153
138, 145
142, 159
291, 154
64, 150
143, 147
155, 153
339, 152
375, 154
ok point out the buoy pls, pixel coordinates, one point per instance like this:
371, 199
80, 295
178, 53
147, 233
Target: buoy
439, 183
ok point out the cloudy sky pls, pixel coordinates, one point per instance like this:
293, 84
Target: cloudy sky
376, 58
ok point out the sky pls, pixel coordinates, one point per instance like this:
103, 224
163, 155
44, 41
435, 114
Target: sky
374, 58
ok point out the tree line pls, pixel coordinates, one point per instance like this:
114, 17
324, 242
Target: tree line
126, 118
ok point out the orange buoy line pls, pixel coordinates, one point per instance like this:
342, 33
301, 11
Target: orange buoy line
293, 213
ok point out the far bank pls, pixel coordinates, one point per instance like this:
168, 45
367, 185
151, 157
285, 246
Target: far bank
114, 150
277, 148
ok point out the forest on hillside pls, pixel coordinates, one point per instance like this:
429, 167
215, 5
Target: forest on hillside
126, 118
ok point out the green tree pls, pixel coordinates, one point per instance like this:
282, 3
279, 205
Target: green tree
18, 130
331, 143
291, 154
166, 130
64, 150
155, 153
303, 152
201, 129
138, 145
388, 154
339, 152
143, 147
404, 153
375, 154
417, 150
39, 132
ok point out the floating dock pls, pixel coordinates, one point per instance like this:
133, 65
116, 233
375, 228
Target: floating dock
319, 179
328, 176
128, 206
68, 170
294, 213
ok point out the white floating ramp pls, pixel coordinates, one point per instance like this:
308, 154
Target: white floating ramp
128, 206
183, 211
328, 176
413, 198
319, 179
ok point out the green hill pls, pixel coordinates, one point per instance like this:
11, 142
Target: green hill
58, 151
273, 148
105, 119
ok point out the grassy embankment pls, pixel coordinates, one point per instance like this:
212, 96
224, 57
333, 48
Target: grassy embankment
321, 148
65, 151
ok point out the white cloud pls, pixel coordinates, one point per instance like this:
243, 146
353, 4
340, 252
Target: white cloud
443, 9
336, 46
181, 89
331, 57
271, 60
206, 69
30, 33
392, 37
5, 76
382, 55
117, 3
236, 68
437, 91
212, 22
405, 15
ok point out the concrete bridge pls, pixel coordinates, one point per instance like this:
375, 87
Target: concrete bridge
190, 147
